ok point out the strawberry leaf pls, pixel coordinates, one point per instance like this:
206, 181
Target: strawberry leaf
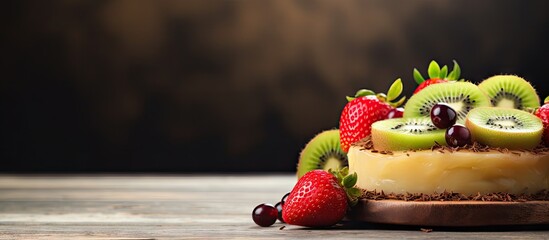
417, 76
364, 92
344, 171
433, 70
443, 72
399, 102
354, 192
546, 100
395, 90
456, 71
382, 97
349, 181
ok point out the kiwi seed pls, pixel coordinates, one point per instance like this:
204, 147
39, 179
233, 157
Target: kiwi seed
461, 96
510, 91
322, 152
406, 134
504, 127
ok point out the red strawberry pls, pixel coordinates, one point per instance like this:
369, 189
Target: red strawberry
428, 82
436, 75
320, 199
363, 110
357, 119
543, 114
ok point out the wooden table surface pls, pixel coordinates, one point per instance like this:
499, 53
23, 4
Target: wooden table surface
177, 207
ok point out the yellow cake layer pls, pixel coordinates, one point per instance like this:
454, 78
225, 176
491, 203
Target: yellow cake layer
464, 171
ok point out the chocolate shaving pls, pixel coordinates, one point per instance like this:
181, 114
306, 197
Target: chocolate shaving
452, 196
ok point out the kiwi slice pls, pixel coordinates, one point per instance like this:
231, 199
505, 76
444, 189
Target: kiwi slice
322, 152
510, 91
406, 134
461, 96
504, 127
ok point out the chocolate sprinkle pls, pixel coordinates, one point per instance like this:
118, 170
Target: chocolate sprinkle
452, 196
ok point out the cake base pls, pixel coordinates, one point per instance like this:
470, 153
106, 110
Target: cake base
451, 214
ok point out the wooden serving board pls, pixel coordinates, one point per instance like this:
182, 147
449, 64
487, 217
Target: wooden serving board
451, 214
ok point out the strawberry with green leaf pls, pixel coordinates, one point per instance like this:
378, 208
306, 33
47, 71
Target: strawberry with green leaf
363, 110
321, 198
436, 75
543, 114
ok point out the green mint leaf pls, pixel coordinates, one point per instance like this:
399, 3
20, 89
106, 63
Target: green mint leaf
417, 76
349, 181
443, 72
395, 90
433, 70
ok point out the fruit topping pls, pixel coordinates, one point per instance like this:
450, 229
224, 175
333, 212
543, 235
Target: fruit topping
406, 134
443, 116
460, 96
510, 92
458, 136
436, 75
320, 198
504, 127
322, 152
264, 215
364, 109
395, 113
543, 114
278, 207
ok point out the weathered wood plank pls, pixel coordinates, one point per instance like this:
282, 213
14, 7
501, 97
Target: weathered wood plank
171, 207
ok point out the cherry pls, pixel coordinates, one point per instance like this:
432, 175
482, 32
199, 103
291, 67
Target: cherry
395, 113
283, 200
264, 215
443, 116
278, 207
458, 136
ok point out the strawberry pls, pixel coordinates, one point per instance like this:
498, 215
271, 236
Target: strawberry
363, 110
543, 114
436, 75
321, 198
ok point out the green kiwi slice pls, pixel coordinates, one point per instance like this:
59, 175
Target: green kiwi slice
510, 91
322, 152
406, 134
504, 127
461, 96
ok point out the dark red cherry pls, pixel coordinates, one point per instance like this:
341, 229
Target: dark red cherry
395, 113
264, 215
443, 116
458, 136
278, 207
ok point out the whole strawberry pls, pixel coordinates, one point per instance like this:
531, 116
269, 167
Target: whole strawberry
436, 75
543, 114
363, 110
320, 199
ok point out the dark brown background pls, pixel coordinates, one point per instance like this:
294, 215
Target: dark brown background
217, 85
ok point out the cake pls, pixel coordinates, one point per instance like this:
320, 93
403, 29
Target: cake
457, 154
470, 170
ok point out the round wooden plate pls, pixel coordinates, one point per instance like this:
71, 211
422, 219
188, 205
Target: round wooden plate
451, 214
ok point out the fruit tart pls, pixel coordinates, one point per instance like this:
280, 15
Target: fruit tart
457, 154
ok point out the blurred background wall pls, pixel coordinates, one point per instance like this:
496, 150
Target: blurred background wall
228, 86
